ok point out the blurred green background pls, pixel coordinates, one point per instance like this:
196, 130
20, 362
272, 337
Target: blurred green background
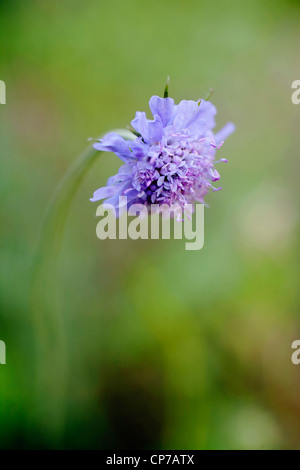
142, 344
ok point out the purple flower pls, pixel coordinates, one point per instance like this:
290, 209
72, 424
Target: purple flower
171, 161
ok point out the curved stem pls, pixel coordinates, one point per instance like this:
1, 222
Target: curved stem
52, 366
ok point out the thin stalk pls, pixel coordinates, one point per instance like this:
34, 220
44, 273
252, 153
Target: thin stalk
51, 374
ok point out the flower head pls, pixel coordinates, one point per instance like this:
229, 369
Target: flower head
171, 160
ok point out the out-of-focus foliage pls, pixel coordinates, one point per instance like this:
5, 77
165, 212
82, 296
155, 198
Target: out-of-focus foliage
162, 347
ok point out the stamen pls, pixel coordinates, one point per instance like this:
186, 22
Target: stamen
128, 190
222, 160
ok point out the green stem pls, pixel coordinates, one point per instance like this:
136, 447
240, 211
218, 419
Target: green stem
51, 377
